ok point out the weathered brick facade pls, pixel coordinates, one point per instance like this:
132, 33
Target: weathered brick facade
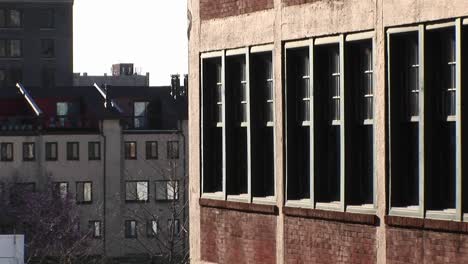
210, 9
296, 231
320, 241
230, 236
423, 246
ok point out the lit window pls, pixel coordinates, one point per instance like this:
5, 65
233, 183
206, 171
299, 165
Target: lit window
130, 229
95, 229
152, 228
130, 150
84, 192
167, 190
136, 191
6, 152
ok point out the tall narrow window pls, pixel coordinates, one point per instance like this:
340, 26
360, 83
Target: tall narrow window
95, 229
47, 18
236, 125
152, 228
440, 131
61, 190
51, 151
327, 123
404, 119
131, 229
173, 149
212, 125
14, 18
151, 150
130, 150
84, 191
15, 47
94, 150
298, 102
359, 126
140, 114
262, 122
6, 152
73, 151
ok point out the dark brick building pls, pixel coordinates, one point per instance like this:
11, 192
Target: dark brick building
36, 42
328, 131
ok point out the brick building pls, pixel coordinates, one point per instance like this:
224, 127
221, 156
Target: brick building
328, 131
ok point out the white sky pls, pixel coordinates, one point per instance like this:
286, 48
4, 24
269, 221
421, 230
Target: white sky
150, 33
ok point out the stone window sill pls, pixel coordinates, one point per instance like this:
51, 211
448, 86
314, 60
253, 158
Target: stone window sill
429, 224
365, 219
239, 206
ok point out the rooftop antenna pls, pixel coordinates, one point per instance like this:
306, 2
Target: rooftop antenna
104, 95
29, 99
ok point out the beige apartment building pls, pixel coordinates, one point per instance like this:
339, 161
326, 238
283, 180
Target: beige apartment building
125, 170
328, 131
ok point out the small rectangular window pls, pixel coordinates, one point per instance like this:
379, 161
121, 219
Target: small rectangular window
151, 150
136, 191
51, 151
47, 48
152, 228
29, 151
167, 190
2, 18
15, 47
404, 119
3, 48
130, 150
172, 149
15, 75
131, 229
174, 226
73, 151
212, 125
47, 18
6, 152
84, 192
14, 19
95, 229
94, 150
61, 190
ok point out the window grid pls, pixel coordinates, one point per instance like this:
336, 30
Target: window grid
368, 89
450, 93
335, 86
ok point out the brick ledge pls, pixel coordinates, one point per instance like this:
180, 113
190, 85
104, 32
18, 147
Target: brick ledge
428, 224
239, 206
354, 218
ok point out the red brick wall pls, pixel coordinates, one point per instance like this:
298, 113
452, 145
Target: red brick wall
210, 9
321, 241
229, 236
422, 246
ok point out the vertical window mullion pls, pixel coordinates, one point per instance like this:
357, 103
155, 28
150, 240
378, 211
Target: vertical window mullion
223, 99
458, 118
249, 126
342, 123
422, 99
311, 130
